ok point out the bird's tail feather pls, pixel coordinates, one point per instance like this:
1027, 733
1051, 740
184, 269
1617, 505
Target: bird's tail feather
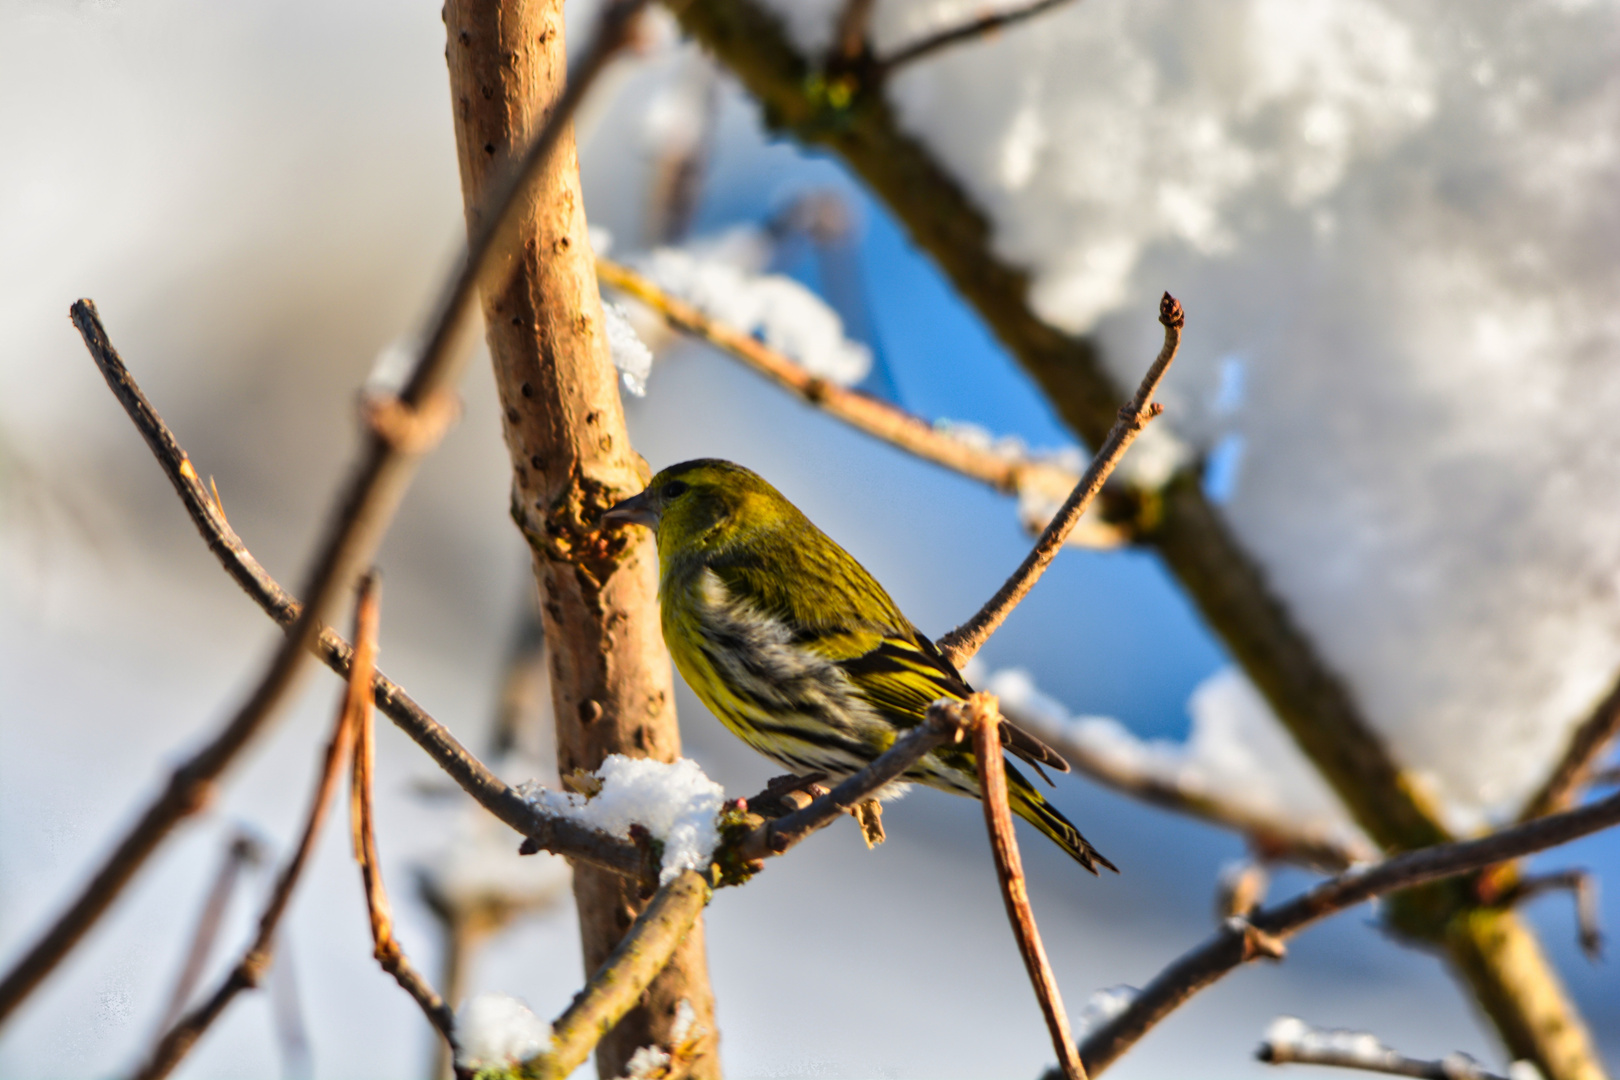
1028, 803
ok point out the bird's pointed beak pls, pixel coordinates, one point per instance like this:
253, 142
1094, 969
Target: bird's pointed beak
636, 510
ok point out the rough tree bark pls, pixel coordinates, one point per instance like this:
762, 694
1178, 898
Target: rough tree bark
571, 459
1493, 951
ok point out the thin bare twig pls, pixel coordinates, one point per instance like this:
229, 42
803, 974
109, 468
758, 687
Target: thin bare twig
242, 851
180, 1038
363, 825
618, 985
960, 644
1581, 886
359, 519
985, 723
548, 833
1575, 769
946, 722
1243, 940
877, 418
1299, 1044
956, 35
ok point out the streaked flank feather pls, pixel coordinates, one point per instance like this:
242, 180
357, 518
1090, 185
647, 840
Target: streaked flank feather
798, 650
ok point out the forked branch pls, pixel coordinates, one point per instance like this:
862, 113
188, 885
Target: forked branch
1242, 940
179, 1039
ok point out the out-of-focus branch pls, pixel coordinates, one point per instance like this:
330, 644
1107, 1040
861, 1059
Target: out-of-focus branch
1271, 837
1493, 952
356, 525
1581, 886
849, 39
1292, 1042
960, 644
558, 835
363, 824
242, 851
179, 1039
946, 722
981, 27
1575, 768
984, 720
617, 987
1242, 940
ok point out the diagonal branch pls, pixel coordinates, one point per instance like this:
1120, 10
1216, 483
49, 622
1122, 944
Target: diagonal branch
617, 986
946, 722
960, 644
355, 529
555, 834
981, 27
362, 821
985, 722
180, 1038
1575, 769
1237, 942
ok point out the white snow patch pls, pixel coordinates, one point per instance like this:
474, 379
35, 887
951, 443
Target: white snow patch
721, 277
1103, 1005
674, 801
630, 355
495, 1030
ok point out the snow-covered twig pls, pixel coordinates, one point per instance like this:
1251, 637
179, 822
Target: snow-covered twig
984, 719
1235, 944
1587, 744
1013, 474
983, 26
355, 528
961, 643
946, 722
245, 975
1291, 1041
362, 820
617, 987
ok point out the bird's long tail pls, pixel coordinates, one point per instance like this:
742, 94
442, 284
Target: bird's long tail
1028, 803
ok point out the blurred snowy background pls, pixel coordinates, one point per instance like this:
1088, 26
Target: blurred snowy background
1393, 227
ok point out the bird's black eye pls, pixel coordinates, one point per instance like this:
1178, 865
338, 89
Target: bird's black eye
675, 489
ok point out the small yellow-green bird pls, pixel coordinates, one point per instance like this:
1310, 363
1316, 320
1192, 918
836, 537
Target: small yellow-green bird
798, 650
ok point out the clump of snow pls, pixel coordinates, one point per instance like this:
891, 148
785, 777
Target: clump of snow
721, 277
1402, 218
654, 1062
647, 1062
1235, 752
1289, 1035
1103, 1005
498, 1030
674, 801
630, 355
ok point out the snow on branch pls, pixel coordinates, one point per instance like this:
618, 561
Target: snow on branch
1289, 1040
1238, 767
1040, 481
674, 801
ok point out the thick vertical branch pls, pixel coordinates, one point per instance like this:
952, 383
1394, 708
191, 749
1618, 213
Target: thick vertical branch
571, 457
